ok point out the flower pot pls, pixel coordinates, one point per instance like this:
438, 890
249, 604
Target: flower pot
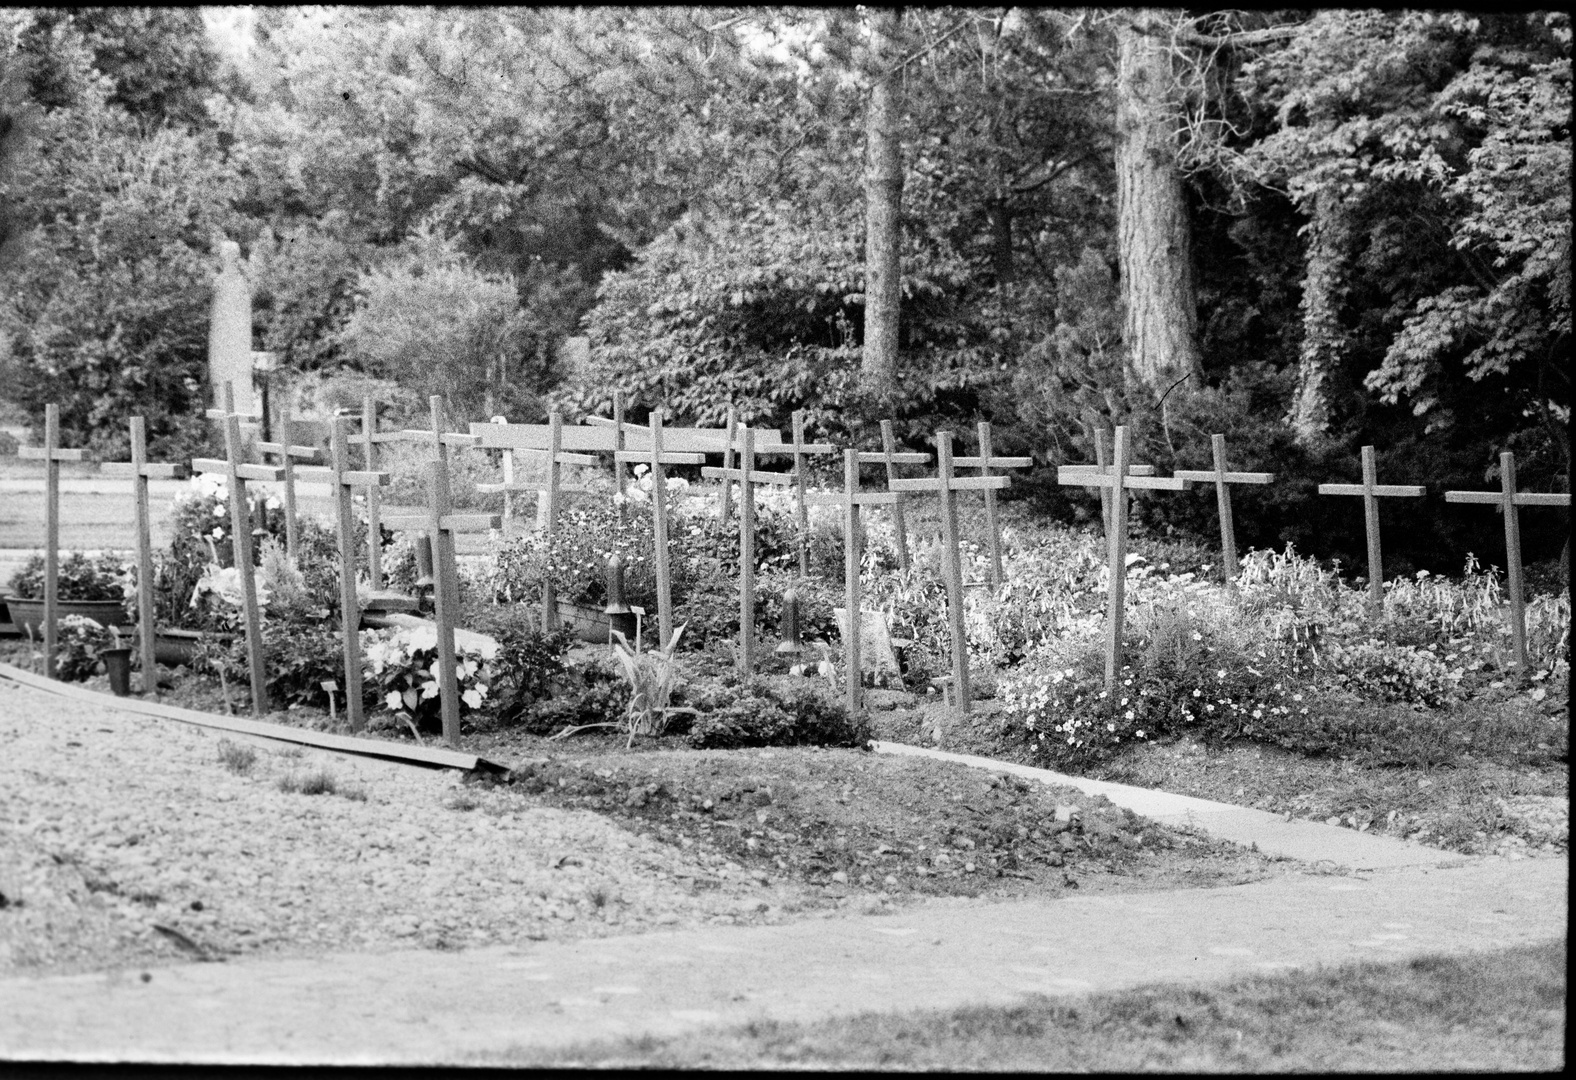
173, 648
592, 624
117, 665
28, 614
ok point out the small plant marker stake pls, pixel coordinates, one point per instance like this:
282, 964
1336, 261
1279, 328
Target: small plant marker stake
1117, 479
51, 455
237, 473
656, 458
1508, 501
441, 526
945, 483
984, 463
851, 500
747, 477
1222, 480
287, 455
1371, 491
140, 470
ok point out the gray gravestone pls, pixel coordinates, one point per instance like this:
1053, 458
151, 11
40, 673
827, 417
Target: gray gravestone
230, 332
875, 641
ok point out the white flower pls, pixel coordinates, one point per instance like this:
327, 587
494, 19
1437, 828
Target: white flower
1130, 716
218, 510
472, 698
1197, 692
218, 532
393, 700
429, 690
1139, 733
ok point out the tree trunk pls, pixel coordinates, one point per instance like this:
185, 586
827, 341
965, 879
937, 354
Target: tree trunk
1001, 241
1155, 243
1309, 415
883, 205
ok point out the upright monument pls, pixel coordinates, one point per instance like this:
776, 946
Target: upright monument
230, 333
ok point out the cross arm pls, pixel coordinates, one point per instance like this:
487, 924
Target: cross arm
325, 474
992, 462
858, 498
667, 457
531, 485
785, 449
1209, 475
876, 457
38, 453
1526, 498
307, 453
957, 483
244, 471
468, 522
224, 414
608, 422
759, 476
1090, 478
1410, 491
153, 470
1132, 470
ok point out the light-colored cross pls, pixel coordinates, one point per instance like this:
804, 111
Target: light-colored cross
51, 455
945, 483
1371, 491
237, 474
729, 439
1102, 464
799, 449
140, 470
344, 482
656, 457
747, 476
288, 455
851, 500
1222, 479
619, 430
1509, 501
984, 463
1118, 480
439, 524
891, 457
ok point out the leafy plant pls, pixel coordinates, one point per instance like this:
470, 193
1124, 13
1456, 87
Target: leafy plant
776, 711
77, 577
78, 642
652, 677
401, 667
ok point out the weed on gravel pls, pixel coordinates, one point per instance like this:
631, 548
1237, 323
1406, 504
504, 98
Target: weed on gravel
237, 757
319, 782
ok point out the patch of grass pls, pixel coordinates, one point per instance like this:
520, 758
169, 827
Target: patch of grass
461, 801
237, 757
1495, 1011
320, 782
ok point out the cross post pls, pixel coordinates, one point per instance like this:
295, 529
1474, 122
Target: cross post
945, 483
891, 457
439, 524
369, 454
344, 482
51, 455
1371, 491
984, 463
288, 455
730, 436
656, 457
1222, 479
1509, 501
798, 448
747, 476
237, 473
140, 470
851, 499
1117, 480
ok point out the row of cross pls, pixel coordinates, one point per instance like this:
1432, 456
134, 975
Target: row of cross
1113, 473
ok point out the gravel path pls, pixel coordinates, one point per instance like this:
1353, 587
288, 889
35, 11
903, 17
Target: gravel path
113, 826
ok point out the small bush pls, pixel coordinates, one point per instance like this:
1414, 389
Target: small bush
1392, 672
77, 577
78, 641
780, 711
236, 757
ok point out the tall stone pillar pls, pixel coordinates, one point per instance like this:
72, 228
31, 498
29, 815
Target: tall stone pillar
230, 332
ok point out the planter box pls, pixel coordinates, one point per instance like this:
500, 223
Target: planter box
173, 648
29, 614
592, 624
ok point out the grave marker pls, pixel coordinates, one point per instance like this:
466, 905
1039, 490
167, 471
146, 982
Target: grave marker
1371, 491
748, 477
984, 463
851, 500
288, 455
230, 334
656, 457
1222, 478
343, 481
369, 454
945, 483
1118, 479
237, 473
1509, 501
892, 458
51, 455
141, 470
799, 448
730, 436
440, 525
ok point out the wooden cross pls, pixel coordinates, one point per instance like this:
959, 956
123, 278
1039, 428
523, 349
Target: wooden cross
288, 456
1118, 480
1371, 491
619, 431
369, 456
1222, 479
552, 487
1102, 458
227, 392
984, 463
1509, 501
891, 458
748, 477
730, 436
799, 448
656, 457
344, 482
140, 470
237, 473
51, 455
851, 500
440, 526
945, 483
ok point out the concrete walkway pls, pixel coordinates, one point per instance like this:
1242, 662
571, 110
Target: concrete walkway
509, 1003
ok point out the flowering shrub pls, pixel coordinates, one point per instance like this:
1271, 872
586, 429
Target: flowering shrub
1393, 672
402, 664
77, 577
78, 641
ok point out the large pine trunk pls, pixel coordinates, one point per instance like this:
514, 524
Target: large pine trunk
1155, 242
883, 208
